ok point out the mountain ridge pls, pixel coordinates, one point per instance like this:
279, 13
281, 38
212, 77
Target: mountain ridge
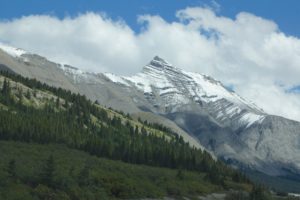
212, 116
159, 78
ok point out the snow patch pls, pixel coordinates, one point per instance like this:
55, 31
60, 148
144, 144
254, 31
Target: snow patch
149, 78
250, 118
168, 90
116, 79
15, 52
71, 70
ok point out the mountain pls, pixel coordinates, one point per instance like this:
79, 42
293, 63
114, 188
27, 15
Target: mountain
234, 129
195, 106
55, 144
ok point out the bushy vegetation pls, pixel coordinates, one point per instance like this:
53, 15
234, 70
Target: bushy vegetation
51, 171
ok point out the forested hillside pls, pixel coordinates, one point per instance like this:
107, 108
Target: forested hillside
50, 126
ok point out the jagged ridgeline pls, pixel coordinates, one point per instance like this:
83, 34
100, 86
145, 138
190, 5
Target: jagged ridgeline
35, 113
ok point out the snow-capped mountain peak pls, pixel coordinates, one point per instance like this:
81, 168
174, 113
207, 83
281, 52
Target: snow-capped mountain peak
159, 62
169, 88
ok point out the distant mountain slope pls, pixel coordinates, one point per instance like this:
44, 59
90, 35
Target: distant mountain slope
202, 108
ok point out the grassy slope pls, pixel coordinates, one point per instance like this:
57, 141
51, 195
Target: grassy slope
108, 178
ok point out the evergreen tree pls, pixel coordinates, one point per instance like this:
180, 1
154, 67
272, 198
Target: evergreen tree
11, 169
180, 174
47, 174
84, 175
35, 93
20, 95
258, 193
57, 102
28, 94
6, 87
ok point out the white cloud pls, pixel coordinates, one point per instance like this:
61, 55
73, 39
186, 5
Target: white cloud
248, 51
90, 41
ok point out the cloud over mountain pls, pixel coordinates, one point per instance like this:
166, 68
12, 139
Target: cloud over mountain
248, 52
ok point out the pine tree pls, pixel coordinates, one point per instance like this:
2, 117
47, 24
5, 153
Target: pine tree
12, 168
258, 193
20, 95
35, 93
28, 94
47, 174
5, 88
84, 175
57, 102
180, 174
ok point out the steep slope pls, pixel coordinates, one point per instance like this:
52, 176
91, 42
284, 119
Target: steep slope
234, 129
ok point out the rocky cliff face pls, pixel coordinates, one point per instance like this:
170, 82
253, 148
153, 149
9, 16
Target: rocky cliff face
198, 107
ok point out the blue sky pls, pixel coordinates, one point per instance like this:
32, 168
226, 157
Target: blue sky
284, 12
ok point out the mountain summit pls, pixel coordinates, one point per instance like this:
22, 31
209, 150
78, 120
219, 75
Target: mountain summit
194, 105
169, 89
159, 62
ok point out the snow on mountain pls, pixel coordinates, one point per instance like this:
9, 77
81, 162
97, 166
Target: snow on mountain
76, 74
116, 79
15, 52
160, 81
71, 70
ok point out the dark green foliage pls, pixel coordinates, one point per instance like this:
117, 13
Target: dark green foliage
28, 94
84, 175
239, 177
215, 175
5, 88
5, 92
280, 184
47, 173
11, 169
78, 175
180, 174
57, 102
259, 193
